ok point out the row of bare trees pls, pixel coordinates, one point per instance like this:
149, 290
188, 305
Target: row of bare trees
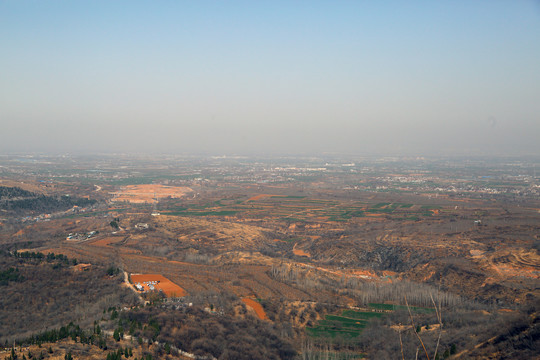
364, 292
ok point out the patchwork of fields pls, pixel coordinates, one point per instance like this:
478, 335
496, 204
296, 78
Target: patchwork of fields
302, 209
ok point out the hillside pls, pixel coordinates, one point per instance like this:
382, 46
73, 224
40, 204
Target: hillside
18, 201
324, 266
52, 291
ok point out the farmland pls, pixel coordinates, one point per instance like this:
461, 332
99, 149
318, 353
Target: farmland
324, 258
349, 324
304, 209
148, 193
159, 283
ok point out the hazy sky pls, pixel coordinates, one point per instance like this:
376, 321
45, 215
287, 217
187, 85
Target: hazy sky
270, 77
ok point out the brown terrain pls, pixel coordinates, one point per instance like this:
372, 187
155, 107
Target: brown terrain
253, 304
296, 254
137, 194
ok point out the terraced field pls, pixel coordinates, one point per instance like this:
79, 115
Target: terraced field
352, 322
349, 324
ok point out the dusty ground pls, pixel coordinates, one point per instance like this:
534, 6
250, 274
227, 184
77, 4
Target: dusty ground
253, 304
259, 197
162, 283
300, 252
149, 193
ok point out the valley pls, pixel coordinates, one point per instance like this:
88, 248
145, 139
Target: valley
313, 250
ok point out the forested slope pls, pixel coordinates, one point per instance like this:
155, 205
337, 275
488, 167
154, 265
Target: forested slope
17, 200
46, 291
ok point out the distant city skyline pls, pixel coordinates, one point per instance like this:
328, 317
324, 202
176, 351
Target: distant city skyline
271, 78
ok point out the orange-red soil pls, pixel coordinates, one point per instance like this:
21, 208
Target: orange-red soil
257, 307
167, 286
259, 197
300, 252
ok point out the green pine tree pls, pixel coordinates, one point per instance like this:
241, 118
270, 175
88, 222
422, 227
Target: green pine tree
116, 335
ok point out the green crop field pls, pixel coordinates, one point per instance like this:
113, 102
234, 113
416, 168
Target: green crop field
337, 324
363, 315
405, 206
390, 307
349, 324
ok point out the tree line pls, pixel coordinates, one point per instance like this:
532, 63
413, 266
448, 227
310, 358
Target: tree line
194, 330
363, 292
18, 200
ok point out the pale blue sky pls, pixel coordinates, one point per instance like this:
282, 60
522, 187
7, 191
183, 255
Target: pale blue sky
276, 77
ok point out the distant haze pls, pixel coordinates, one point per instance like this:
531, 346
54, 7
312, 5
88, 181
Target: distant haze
274, 77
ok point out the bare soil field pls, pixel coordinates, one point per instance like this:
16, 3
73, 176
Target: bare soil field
259, 197
294, 251
160, 283
300, 252
256, 307
149, 193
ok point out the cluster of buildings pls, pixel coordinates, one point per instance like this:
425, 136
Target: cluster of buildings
81, 236
151, 285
